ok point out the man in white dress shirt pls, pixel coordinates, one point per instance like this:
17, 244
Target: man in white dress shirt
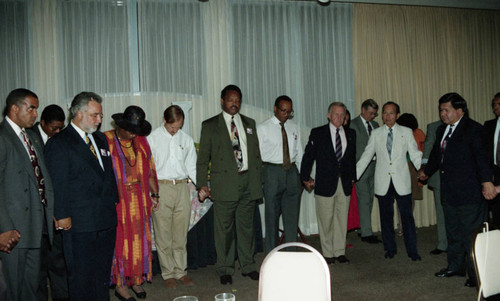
281, 151
175, 159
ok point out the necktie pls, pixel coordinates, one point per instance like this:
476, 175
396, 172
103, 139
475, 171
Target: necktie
235, 139
389, 142
446, 138
89, 143
36, 168
338, 146
369, 128
286, 152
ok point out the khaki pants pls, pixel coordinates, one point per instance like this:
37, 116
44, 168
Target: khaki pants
332, 221
171, 223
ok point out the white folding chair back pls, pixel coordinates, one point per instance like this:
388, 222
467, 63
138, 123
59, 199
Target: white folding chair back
486, 257
294, 276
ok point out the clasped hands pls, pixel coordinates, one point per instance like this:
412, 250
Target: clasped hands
8, 240
203, 193
309, 184
489, 190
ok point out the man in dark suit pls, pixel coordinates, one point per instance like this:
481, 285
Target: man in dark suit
26, 196
85, 197
459, 156
53, 264
491, 135
364, 125
333, 147
229, 141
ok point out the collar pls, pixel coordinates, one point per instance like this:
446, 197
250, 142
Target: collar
17, 129
79, 131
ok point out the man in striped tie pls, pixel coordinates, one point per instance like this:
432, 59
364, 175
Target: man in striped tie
333, 147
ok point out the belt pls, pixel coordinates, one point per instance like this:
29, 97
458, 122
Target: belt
279, 165
174, 181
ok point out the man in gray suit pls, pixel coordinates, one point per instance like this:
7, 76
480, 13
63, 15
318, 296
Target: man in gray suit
363, 125
434, 185
26, 196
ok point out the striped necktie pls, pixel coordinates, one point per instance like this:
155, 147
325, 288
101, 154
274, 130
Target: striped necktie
389, 142
338, 146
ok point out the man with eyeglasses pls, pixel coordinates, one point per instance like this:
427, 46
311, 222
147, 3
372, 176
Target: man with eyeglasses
86, 195
363, 125
281, 151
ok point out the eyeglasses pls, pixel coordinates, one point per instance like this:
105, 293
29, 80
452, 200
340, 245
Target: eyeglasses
287, 112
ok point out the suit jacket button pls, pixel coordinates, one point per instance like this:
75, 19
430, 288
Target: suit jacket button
442, 171
390, 163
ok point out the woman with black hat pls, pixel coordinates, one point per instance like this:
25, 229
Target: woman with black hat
138, 191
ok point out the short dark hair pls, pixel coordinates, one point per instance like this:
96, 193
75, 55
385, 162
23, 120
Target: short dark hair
280, 98
457, 101
409, 120
173, 113
495, 97
81, 101
52, 113
230, 88
391, 103
16, 97
369, 103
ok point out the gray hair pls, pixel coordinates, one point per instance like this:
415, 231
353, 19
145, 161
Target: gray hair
81, 101
336, 104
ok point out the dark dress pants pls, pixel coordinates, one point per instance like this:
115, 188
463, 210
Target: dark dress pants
281, 195
386, 205
494, 205
53, 267
461, 224
88, 257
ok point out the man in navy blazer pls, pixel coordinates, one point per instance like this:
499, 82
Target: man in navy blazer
85, 191
465, 174
333, 147
491, 133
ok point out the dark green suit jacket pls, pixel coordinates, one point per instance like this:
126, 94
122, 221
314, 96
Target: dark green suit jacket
216, 148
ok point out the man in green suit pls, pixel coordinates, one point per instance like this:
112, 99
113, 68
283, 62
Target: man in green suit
229, 142
434, 185
363, 125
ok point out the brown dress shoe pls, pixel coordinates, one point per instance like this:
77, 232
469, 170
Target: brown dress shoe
185, 280
171, 283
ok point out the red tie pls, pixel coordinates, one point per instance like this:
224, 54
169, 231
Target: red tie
36, 168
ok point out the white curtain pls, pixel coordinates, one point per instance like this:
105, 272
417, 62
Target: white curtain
152, 53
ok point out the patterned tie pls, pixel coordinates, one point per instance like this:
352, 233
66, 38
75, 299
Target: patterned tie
235, 139
36, 168
446, 138
369, 128
89, 143
389, 142
338, 146
286, 152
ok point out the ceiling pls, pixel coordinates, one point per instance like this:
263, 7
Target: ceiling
475, 4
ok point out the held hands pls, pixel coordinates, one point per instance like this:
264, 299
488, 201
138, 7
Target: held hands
8, 240
63, 224
203, 193
489, 190
309, 185
421, 175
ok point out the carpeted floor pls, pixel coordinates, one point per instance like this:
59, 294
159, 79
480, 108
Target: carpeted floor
368, 277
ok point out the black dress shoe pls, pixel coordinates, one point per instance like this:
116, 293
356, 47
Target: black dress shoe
390, 254
123, 298
370, 239
254, 275
140, 295
329, 260
470, 283
448, 273
342, 259
226, 279
437, 251
415, 257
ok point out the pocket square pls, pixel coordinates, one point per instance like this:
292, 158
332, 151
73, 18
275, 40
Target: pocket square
104, 153
249, 131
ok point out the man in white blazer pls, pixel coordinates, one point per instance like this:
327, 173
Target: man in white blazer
390, 143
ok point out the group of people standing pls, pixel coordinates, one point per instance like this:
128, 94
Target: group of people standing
97, 197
